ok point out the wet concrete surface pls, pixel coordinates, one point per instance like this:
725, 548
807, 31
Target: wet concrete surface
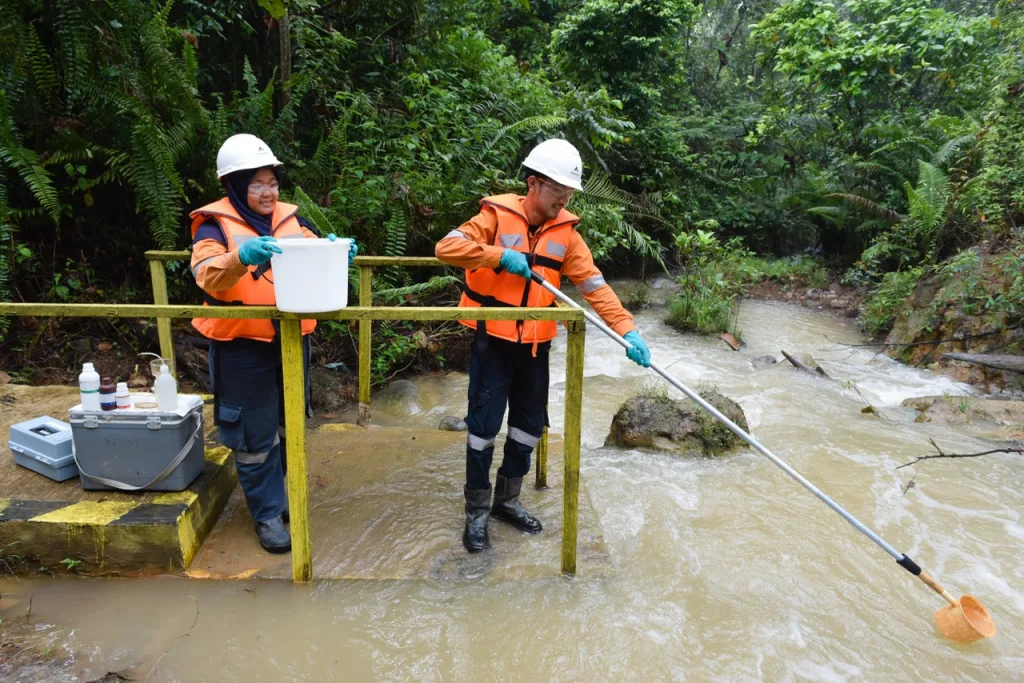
387, 503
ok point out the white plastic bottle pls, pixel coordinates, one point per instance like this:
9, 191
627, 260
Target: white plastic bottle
122, 397
166, 390
89, 386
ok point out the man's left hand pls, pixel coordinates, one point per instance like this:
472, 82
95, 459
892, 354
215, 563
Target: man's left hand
638, 351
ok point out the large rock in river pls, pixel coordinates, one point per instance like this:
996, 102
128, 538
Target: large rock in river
677, 426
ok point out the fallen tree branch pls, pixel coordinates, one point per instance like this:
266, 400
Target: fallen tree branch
885, 345
806, 368
940, 454
990, 360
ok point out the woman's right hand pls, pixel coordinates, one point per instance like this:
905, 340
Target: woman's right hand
258, 251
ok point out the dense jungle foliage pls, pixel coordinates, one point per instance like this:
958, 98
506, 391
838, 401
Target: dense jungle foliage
880, 136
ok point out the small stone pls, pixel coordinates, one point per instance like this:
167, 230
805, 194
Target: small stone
835, 288
82, 344
839, 303
5, 378
813, 294
452, 423
763, 362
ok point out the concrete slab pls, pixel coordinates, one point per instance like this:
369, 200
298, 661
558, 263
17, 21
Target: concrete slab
129, 534
386, 503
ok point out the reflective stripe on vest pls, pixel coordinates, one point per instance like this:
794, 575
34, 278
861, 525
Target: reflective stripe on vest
253, 289
496, 287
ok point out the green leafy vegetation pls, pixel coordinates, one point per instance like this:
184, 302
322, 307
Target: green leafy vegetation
884, 137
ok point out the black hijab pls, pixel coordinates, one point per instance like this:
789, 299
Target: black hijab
237, 186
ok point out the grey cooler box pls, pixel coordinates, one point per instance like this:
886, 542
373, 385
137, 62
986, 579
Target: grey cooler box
43, 445
139, 450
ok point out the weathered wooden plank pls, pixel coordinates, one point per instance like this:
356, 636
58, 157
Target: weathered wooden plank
157, 255
990, 360
574, 355
295, 438
351, 313
403, 261
365, 345
163, 325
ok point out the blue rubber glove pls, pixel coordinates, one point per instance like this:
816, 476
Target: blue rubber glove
515, 263
353, 249
258, 251
638, 351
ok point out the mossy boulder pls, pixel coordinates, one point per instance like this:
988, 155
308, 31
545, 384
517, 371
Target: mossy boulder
676, 426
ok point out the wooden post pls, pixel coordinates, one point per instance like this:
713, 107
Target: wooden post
295, 441
542, 461
163, 325
365, 337
571, 445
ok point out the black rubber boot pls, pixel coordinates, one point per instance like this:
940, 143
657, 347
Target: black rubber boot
508, 508
273, 536
478, 509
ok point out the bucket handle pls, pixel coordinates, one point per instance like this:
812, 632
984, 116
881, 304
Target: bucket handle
171, 466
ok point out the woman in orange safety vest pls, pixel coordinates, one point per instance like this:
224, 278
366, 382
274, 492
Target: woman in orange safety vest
233, 240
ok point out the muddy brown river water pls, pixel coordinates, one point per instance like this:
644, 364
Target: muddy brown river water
724, 569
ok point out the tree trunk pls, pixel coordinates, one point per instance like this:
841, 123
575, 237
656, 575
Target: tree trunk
285, 42
990, 360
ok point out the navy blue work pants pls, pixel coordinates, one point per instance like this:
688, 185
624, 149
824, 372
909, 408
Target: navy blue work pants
504, 373
249, 413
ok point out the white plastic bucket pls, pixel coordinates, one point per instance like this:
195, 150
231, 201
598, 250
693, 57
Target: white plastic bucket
311, 275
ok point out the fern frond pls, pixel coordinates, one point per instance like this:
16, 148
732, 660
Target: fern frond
949, 150
868, 206
833, 214
26, 162
643, 244
434, 284
921, 143
933, 186
5, 263
312, 211
394, 230
875, 166
542, 122
43, 73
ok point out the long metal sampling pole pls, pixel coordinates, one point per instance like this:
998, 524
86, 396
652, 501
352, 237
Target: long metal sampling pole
903, 560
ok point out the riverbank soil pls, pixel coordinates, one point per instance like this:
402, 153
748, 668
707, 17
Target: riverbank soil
974, 306
386, 503
838, 300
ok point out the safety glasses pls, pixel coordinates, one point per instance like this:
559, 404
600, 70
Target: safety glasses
560, 191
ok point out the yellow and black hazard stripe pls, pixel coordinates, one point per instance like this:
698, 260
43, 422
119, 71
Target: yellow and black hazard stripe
123, 537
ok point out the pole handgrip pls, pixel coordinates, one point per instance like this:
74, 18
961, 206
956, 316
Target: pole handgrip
937, 587
909, 565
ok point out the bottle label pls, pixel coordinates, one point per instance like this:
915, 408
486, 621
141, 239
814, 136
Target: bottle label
89, 391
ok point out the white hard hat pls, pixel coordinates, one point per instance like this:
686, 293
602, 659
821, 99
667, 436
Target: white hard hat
243, 151
558, 160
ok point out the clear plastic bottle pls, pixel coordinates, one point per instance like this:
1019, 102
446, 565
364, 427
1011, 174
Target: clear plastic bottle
123, 398
89, 387
166, 390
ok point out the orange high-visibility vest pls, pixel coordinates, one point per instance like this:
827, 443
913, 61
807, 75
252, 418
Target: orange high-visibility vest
254, 288
496, 287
